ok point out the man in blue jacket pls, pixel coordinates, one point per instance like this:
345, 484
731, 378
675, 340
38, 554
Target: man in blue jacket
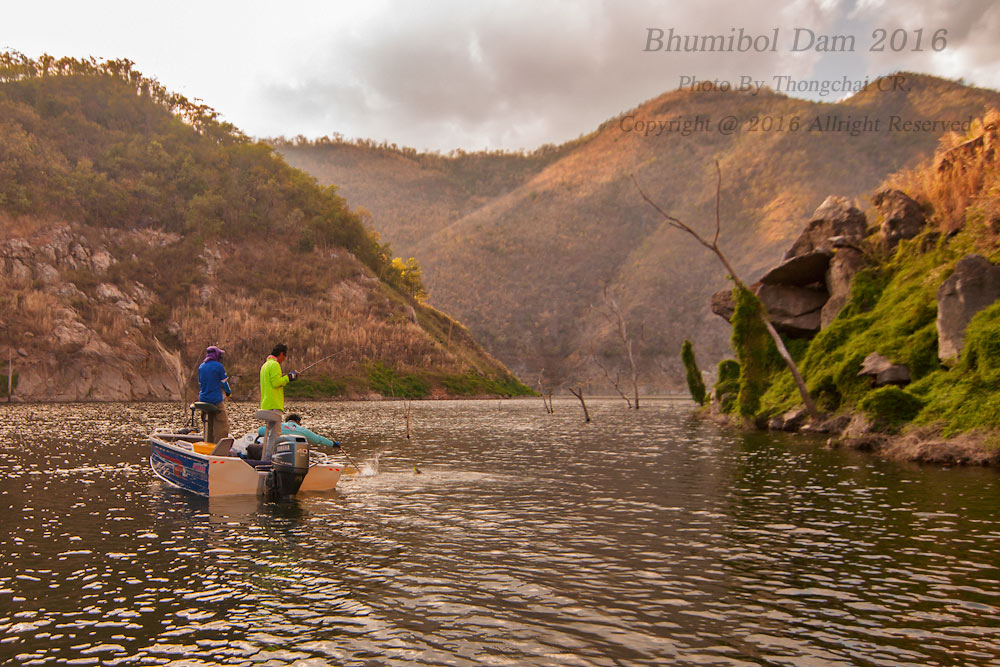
213, 381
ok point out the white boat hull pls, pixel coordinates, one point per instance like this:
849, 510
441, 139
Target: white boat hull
176, 463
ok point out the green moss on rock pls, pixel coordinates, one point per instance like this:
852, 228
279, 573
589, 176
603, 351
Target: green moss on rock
727, 386
891, 406
696, 384
750, 341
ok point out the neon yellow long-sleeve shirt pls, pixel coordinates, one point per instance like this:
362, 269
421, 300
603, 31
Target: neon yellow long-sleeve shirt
272, 383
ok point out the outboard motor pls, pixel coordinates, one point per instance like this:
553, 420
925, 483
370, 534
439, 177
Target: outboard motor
289, 466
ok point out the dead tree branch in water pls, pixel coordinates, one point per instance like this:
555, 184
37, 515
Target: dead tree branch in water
616, 383
541, 390
616, 318
714, 247
579, 394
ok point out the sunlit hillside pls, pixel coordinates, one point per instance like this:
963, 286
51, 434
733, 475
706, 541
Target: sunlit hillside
526, 269
136, 229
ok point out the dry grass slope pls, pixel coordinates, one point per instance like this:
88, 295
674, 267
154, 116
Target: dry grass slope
526, 267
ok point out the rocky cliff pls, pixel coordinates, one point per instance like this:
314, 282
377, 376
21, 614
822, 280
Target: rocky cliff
897, 336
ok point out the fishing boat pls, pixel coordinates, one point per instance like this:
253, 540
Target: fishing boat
196, 463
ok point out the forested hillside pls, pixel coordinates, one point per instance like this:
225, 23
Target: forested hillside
137, 229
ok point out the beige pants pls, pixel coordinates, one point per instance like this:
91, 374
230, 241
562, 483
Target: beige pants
220, 422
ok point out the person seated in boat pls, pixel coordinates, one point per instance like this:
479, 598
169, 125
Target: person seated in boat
212, 382
293, 426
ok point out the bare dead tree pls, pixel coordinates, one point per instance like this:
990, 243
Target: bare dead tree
406, 408
616, 319
616, 382
541, 390
579, 394
714, 247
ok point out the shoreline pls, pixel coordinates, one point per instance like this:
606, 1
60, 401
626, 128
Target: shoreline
916, 444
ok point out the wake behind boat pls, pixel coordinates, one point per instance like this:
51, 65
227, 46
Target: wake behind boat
193, 462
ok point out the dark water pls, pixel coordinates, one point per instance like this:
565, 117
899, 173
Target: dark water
640, 539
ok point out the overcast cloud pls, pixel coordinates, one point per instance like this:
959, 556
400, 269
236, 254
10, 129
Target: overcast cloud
458, 74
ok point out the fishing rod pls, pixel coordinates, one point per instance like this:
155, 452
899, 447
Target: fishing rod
329, 356
344, 452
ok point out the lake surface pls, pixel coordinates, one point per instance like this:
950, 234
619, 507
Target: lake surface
647, 538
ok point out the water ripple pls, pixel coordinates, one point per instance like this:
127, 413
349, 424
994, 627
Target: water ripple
497, 535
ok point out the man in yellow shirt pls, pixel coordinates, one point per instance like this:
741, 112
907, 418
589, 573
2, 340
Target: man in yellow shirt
272, 396
272, 382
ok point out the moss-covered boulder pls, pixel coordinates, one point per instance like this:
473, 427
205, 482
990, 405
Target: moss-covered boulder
891, 407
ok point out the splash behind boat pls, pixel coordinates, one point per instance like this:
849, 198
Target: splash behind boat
193, 462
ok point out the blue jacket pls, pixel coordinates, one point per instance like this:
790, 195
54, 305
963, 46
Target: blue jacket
291, 428
213, 381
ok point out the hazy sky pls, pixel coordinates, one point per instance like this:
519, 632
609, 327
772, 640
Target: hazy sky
507, 74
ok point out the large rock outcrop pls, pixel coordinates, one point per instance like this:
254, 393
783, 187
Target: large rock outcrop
902, 217
973, 286
810, 286
844, 265
836, 216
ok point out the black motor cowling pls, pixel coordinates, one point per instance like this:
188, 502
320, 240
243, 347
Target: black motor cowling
289, 466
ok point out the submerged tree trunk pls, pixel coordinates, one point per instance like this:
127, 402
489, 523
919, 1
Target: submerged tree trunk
579, 394
541, 390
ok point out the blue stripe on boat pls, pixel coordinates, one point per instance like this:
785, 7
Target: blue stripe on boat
183, 470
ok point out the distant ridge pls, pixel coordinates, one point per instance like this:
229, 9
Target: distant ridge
524, 261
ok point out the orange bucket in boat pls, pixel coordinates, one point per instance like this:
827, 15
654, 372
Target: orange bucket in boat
203, 447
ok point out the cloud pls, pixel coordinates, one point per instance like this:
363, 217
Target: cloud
972, 49
513, 74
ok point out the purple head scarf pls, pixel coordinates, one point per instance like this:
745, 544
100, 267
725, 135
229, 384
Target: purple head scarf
213, 353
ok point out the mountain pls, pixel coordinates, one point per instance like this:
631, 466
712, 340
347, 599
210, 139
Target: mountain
525, 253
136, 229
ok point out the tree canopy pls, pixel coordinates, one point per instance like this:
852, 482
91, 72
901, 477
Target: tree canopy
99, 143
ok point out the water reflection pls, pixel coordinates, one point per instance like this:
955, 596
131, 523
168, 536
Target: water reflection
639, 539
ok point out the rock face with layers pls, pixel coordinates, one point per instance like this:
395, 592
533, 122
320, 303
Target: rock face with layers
793, 310
973, 286
804, 269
